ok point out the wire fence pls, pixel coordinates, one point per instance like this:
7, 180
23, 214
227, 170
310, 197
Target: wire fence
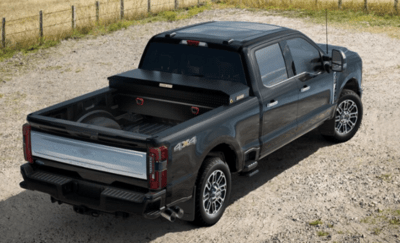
66, 21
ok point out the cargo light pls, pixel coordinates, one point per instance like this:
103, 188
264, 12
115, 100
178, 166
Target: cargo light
158, 158
26, 139
194, 43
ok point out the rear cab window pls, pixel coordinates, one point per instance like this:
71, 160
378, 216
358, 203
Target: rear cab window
199, 61
271, 65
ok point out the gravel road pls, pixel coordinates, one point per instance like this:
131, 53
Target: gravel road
352, 189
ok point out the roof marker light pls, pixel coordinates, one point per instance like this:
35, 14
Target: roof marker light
170, 35
227, 42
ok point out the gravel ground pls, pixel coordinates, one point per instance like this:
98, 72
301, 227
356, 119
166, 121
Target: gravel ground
352, 189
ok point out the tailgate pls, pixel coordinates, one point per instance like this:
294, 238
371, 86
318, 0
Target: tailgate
99, 157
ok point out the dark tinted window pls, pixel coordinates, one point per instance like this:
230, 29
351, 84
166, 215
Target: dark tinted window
305, 56
271, 64
194, 61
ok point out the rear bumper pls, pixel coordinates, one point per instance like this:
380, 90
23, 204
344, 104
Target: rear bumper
90, 195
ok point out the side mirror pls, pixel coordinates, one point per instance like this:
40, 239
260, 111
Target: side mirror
339, 62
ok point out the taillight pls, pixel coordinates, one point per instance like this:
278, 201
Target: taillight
26, 133
158, 158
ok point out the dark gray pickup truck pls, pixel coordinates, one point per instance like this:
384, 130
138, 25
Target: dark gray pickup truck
207, 100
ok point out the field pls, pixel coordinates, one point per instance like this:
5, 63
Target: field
308, 191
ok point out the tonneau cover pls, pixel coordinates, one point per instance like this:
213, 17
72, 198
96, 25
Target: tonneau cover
233, 91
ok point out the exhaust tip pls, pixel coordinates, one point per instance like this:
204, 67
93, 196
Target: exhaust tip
169, 215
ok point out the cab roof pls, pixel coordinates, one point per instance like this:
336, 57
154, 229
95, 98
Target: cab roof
220, 32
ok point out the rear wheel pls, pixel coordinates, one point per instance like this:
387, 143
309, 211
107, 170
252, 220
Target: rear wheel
212, 191
347, 118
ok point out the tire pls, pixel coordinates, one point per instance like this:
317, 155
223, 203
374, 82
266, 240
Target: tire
213, 169
346, 123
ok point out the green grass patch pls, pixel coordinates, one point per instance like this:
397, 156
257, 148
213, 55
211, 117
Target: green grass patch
314, 223
376, 231
322, 233
394, 221
385, 177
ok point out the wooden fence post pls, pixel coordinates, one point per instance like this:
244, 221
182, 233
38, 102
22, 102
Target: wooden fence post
122, 9
73, 18
366, 5
148, 6
176, 4
3, 33
97, 11
316, 3
340, 4
396, 2
41, 24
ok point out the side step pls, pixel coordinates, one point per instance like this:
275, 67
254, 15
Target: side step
250, 169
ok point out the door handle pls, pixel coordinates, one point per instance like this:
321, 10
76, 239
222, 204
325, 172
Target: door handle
272, 103
305, 88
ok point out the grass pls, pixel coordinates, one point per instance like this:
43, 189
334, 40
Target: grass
376, 231
379, 7
385, 177
315, 223
394, 221
322, 233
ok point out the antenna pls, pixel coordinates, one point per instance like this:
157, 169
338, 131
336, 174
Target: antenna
326, 15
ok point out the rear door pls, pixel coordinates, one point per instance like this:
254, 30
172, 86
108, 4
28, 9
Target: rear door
316, 85
279, 92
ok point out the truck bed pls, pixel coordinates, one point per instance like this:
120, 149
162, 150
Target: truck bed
137, 106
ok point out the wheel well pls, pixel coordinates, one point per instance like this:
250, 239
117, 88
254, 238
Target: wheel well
352, 84
227, 154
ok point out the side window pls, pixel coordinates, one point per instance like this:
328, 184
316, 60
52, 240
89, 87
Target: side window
271, 64
305, 56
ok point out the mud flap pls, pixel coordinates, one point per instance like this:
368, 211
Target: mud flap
328, 127
189, 207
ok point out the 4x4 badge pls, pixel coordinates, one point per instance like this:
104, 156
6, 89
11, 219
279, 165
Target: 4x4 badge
185, 143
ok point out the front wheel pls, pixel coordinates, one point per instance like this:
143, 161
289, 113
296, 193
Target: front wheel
348, 116
212, 191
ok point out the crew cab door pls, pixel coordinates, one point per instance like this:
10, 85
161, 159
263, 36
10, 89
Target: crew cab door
279, 93
316, 85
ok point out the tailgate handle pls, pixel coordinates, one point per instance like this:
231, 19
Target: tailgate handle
139, 101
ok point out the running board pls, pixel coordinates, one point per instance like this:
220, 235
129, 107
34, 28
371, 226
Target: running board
249, 166
250, 169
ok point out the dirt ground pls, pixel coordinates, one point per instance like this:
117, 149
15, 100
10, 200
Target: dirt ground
352, 189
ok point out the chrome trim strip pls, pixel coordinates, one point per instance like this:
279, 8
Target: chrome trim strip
89, 155
283, 81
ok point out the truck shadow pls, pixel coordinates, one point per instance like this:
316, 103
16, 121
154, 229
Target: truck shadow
278, 162
31, 217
